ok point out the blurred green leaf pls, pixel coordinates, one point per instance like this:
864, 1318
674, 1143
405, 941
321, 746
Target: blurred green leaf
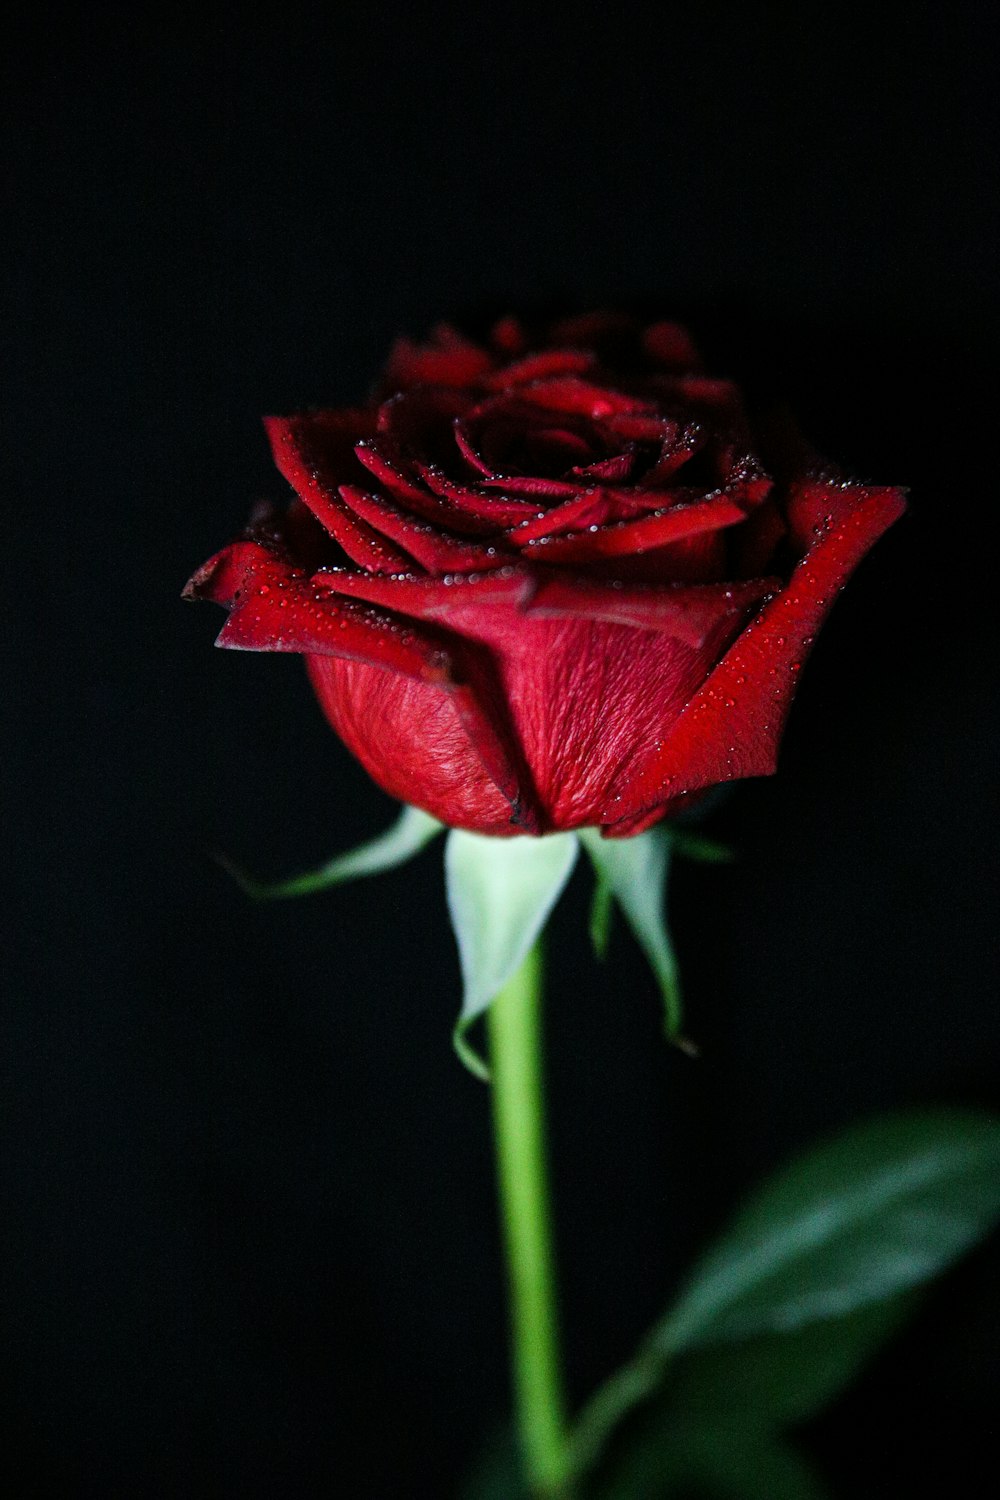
810, 1277
500, 893
780, 1379
717, 1463
407, 836
881, 1208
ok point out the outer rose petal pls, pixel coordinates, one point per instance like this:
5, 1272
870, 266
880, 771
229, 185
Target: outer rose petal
732, 726
273, 607
586, 698
689, 612
429, 598
410, 740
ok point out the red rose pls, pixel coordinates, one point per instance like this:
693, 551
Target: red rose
547, 583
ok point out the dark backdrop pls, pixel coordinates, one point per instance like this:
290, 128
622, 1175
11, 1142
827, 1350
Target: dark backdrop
249, 1244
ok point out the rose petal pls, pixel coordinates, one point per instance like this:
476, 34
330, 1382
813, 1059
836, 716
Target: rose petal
670, 344
733, 724
627, 828
315, 453
706, 390
419, 420
626, 538
389, 470
436, 550
363, 545
675, 452
642, 428
508, 335
580, 397
425, 598
688, 612
593, 507
500, 510
539, 366
459, 364
467, 447
612, 470
531, 485
220, 578
815, 504
423, 501
273, 607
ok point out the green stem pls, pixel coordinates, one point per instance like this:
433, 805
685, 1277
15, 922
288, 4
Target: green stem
518, 1120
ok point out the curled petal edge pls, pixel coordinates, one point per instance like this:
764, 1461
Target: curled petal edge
732, 726
274, 607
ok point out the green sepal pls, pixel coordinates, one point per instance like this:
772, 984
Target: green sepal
695, 846
500, 893
634, 871
602, 911
412, 830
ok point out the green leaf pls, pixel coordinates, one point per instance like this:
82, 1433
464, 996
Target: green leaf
780, 1379
880, 1209
717, 1463
850, 1225
730, 1468
715, 1428
500, 893
635, 871
412, 830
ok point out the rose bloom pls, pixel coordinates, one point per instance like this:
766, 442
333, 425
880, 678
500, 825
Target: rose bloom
551, 581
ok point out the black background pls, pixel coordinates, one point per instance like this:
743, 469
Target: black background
250, 1246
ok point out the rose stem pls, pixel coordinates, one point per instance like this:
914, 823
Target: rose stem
519, 1130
